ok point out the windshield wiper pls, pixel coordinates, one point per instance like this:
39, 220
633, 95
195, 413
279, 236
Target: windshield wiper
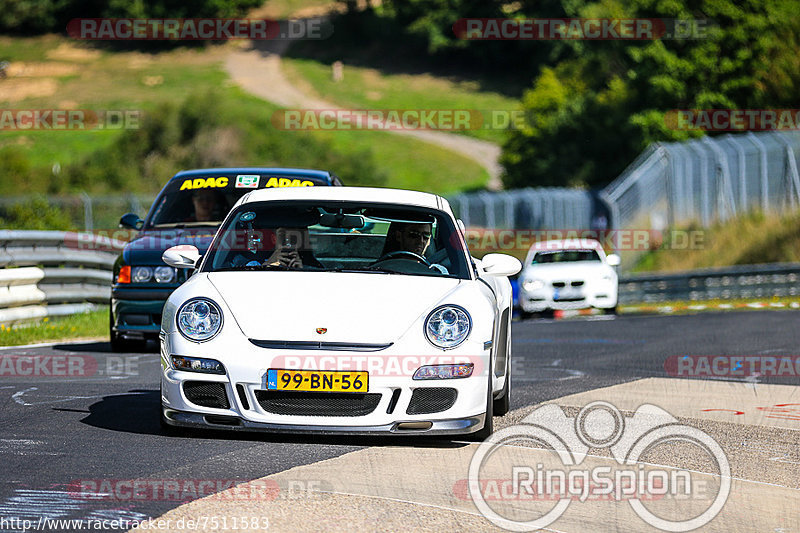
371, 270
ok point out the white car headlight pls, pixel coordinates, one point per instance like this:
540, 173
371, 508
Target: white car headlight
164, 274
532, 284
199, 319
448, 326
142, 274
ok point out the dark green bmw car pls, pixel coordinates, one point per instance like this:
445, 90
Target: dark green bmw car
188, 210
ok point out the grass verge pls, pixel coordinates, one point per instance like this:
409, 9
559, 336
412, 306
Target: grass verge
368, 88
684, 307
91, 324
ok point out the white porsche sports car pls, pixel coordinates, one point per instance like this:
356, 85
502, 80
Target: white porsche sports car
338, 310
568, 274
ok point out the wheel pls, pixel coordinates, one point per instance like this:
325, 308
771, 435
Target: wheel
400, 253
502, 405
118, 344
488, 425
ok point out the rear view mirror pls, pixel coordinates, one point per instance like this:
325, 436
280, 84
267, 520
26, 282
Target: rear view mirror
500, 265
132, 221
613, 260
341, 220
182, 256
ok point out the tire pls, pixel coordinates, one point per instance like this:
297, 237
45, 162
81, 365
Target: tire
502, 405
120, 345
610, 311
488, 424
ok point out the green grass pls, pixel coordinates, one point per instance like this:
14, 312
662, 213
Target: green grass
678, 307
751, 239
366, 88
121, 80
91, 324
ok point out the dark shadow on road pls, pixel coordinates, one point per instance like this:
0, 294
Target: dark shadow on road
137, 411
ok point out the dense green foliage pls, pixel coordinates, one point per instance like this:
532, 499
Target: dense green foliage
594, 105
40, 16
206, 130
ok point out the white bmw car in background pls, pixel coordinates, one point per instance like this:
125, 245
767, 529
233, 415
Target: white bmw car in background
338, 310
568, 274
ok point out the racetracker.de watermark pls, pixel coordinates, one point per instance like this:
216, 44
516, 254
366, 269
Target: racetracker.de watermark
197, 29
69, 119
516, 240
732, 366
733, 119
398, 119
67, 366
540, 491
601, 29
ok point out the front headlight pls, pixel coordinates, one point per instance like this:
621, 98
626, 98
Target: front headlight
532, 284
448, 326
199, 319
142, 274
164, 274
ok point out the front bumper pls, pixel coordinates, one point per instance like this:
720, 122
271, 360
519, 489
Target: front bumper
136, 312
458, 426
544, 299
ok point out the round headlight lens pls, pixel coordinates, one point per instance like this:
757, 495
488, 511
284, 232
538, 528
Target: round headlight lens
142, 274
199, 319
448, 326
164, 274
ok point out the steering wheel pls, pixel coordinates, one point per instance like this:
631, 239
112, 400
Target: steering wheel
398, 255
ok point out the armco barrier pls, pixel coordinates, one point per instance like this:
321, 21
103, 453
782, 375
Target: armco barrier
45, 273
744, 281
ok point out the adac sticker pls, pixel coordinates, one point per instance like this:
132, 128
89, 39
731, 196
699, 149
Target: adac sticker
287, 182
205, 183
247, 181
246, 217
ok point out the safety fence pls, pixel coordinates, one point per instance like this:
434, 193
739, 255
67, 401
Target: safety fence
46, 273
736, 282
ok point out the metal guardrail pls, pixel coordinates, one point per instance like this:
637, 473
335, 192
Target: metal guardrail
745, 281
53, 273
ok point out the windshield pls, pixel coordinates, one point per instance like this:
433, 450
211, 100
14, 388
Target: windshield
339, 237
565, 256
204, 200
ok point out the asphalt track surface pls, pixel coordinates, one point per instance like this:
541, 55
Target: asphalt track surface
57, 432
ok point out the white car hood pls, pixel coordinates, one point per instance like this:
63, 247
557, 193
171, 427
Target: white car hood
356, 308
566, 271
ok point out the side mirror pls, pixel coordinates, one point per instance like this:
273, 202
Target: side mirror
132, 221
182, 256
500, 265
613, 260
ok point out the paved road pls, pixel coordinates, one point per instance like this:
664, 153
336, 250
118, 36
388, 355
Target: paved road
101, 424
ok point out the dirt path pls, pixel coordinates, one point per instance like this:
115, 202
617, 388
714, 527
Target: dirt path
259, 72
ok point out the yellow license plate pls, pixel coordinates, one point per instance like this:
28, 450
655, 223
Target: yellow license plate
317, 380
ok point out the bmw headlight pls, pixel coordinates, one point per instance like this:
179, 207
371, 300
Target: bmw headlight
532, 284
448, 326
142, 274
164, 274
199, 319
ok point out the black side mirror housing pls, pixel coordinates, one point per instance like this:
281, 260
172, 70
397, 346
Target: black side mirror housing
132, 221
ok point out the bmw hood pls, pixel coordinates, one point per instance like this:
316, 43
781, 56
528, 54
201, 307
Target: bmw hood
147, 247
351, 307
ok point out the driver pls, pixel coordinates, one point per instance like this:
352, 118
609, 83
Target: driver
408, 237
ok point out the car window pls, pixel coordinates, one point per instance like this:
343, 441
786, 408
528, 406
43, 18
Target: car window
341, 237
565, 256
205, 200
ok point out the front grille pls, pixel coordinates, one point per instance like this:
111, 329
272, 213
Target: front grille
206, 394
431, 400
559, 284
317, 403
577, 284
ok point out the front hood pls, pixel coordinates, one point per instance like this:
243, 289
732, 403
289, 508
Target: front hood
147, 247
565, 271
355, 308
